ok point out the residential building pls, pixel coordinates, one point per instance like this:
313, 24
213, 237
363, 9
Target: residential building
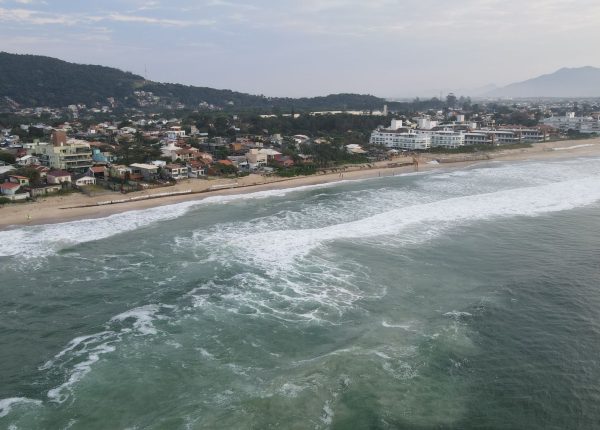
175, 171
21, 180
84, 179
148, 172
98, 172
568, 122
256, 158
184, 154
196, 169
118, 171
477, 138
58, 177
9, 188
27, 160
355, 149
396, 139
73, 154
447, 139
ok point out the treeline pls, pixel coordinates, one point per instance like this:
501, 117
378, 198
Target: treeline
33, 80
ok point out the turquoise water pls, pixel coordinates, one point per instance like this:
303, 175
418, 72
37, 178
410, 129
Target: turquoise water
445, 300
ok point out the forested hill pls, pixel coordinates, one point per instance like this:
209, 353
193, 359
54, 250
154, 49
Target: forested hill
32, 80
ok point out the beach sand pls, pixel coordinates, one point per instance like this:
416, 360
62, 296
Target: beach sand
65, 208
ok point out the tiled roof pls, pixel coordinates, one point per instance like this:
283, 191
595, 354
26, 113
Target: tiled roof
9, 186
57, 173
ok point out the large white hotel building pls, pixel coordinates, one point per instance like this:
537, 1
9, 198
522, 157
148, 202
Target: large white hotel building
396, 137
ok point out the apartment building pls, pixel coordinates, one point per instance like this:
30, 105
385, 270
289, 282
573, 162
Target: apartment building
582, 124
63, 154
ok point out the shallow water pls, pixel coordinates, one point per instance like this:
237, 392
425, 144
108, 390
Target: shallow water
465, 299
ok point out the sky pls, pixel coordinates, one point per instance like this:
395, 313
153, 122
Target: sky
388, 48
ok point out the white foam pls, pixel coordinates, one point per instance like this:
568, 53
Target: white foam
406, 327
327, 417
39, 241
143, 318
204, 353
44, 240
74, 344
282, 247
7, 404
60, 393
573, 147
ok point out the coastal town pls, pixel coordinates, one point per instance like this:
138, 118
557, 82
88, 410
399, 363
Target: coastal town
58, 151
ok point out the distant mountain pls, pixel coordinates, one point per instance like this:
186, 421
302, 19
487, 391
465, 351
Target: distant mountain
32, 80
575, 82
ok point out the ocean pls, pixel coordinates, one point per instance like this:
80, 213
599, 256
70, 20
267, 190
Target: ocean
450, 299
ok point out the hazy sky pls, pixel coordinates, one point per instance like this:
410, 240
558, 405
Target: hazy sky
313, 47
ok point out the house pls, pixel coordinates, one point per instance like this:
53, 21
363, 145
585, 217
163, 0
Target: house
355, 149
149, 172
239, 161
100, 157
119, 172
196, 169
21, 180
43, 191
175, 171
43, 170
9, 188
98, 172
256, 159
84, 179
27, 160
184, 154
58, 177
6, 169
270, 153
284, 161
306, 159
206, 157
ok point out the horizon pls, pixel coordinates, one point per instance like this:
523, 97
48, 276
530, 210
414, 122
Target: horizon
385, 48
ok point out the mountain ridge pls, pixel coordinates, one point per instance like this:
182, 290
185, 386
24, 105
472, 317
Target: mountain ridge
565, 82
35, 80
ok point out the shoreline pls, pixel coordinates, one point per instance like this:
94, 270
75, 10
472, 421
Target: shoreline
58, 209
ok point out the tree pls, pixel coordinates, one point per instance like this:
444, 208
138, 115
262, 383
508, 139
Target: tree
33, 175
451, 100
7, 157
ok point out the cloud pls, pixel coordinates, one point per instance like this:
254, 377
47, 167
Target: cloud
34, 17
26, 16
118, 17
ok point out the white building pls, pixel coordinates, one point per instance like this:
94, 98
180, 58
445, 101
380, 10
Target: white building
400, 140
426, 123
582, 124
70, 155
175, 133
447, 139
353, 148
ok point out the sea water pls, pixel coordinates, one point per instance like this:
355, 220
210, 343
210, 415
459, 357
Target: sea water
447, 299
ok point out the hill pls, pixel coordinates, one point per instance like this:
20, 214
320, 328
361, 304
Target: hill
33, 80
566, 82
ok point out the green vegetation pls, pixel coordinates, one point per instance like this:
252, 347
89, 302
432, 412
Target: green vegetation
32, 80
478, 148
288, 172
30, 173
7, 157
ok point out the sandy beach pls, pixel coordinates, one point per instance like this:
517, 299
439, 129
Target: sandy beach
68, 208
